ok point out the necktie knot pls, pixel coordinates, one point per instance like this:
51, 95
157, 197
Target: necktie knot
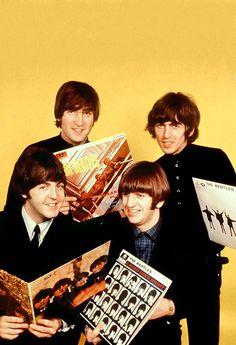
35, 240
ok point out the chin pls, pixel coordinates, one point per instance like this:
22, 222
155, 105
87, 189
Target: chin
52, 215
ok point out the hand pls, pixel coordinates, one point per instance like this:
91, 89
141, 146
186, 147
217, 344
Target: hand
65, 207
92, 335
165, 308
45, 328
11, 327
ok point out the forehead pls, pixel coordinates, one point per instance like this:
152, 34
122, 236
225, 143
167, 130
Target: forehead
138, 194
79, 106
171, 123
49, 183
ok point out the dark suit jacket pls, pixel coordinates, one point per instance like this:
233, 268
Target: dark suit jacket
165, 330
187, 230
190, 252
16, 256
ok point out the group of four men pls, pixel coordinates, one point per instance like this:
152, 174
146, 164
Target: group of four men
163, 224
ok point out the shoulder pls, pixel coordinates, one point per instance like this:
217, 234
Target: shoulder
195, 152
194, 149
11, 217
211, 163
53, 144
207, 155
201, 161
11, 227
63, 221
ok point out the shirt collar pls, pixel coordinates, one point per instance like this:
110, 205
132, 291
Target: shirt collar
30, 225
151, 233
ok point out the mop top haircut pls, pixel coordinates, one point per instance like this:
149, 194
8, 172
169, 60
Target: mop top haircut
36, 166
145, 177
176, 108
73, 96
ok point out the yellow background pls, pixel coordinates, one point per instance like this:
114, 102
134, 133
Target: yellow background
132, 52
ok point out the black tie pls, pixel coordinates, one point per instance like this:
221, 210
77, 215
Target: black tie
35, 240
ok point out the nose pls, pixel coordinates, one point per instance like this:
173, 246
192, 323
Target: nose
78, 117
131, 199
53, 192
167, 131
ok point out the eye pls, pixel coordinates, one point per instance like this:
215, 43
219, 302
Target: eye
87, 114
141, 195
69, 112
176, 125
159, 125
43, 186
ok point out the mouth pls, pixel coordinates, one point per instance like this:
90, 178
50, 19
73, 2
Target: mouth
167, 143
53, 205
131, 213
77, 130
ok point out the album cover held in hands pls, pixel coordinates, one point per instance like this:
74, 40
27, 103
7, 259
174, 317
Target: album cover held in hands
57, 292
133, 290
93, 171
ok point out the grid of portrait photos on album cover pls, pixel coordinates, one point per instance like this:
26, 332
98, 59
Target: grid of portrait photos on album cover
133, 289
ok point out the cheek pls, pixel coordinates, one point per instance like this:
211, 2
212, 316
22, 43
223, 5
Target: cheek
64, 121
89, 123
155, 132
158, 137
124, 200
61, 195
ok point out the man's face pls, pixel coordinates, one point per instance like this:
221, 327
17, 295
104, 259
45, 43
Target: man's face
137, 207
61, 290
171, 137
121, 318
44, 201
76, 125
150, 298
100, 265
42, 303
82, 281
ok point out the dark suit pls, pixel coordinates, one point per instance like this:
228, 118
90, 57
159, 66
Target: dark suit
16, 257
164, 331
195, 258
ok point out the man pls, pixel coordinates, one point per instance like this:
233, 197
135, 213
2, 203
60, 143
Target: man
144, 189
173, 121
41, 301
76, 110
39, 183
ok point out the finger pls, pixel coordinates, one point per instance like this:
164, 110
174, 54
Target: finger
70, 198
12, 319
42, 331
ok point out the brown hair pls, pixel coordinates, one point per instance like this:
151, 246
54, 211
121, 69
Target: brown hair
145, 177
74, 95
176, 108
33, 167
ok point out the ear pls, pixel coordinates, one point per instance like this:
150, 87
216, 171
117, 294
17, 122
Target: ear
160, 204
191, 133
58, 121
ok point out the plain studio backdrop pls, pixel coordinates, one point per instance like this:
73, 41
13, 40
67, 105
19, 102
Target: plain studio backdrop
132, 52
